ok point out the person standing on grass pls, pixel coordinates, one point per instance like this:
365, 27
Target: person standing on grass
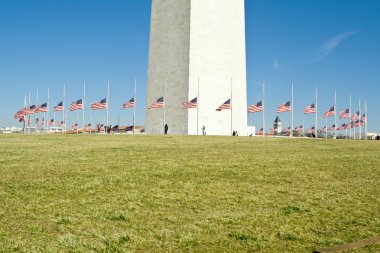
203, 130
166, 129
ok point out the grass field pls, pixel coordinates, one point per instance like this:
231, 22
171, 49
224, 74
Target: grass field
179, 194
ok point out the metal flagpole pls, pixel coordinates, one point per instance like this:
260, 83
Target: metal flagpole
263, 105
335, 111
316, 112
134, 108
350, 113
108, 102
77, 124
292, 112
164, 119
326, 131
36, 111
198, 109
303, 126
25, 105
29, 116
366, 120
48, 109
64, 107
91, 123
231, 107
83, 103
360, 126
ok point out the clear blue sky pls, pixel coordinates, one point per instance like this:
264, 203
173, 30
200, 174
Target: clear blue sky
328, 43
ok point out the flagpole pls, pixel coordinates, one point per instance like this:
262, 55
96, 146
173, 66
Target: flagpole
366, 119
64, 107
134, 108
164, 105
350, 118
29, 116
36, 111
291, 131
263, 105
316, 112
198, 109
335, 111
83, 103
48, 108
231, 107
108, 102
326, 131
360, 127
25, 105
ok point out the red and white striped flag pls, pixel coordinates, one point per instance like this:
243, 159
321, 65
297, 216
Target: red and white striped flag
102, 104
225, 106
258, 107
129, 104
158, 104
42, 108
330, 112
190, 104
345, 114
77, 105
285, 107
310, 109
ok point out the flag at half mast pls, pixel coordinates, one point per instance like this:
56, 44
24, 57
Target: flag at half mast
42, 108
59, 107
330, 112
190, 104
258, 107
225, 106
285, 107
158, 104
102, 104
77, 105
355, 116
345, 114
129, 104
310, 109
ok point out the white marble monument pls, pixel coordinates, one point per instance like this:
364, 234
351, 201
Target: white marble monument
197, 49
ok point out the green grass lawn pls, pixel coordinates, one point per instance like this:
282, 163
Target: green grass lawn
68, 193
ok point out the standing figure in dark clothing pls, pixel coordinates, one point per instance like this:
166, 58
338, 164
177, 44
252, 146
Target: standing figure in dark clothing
166, 128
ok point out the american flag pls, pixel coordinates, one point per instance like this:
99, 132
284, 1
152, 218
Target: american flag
310, 109
345, 114
129, 104
331, 128
102, 104
190, 104
88, 126
286, 130
28, 121
355, 116
158, 104
21, 118
42, 108
61, 123
285, 107
75, 126
330, 112
77, 105
357, 123
272, 130
38, 122
260, 132
310, 130
20, 113
323, 130
59, 107
363, 119
258, 107
342, 127
30, 110
51, 122
299, 128
225, 106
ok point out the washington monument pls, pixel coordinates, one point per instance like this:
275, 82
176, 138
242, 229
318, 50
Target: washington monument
197, 50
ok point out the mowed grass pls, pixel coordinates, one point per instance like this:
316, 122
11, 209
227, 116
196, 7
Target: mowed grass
69, 193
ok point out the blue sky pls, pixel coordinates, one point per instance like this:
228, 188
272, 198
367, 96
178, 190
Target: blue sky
333, 44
